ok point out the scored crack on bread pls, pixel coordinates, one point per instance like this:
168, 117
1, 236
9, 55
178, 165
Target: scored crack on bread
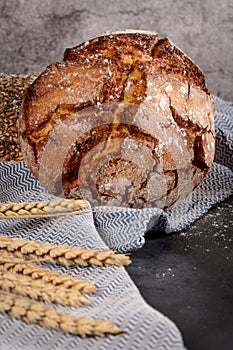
125, 120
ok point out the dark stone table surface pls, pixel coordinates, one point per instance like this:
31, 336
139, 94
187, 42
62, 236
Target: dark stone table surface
188, 276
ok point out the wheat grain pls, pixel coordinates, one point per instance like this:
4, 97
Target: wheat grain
56, 207
12, 89
37, 313
9, 263
63, 254
40, 290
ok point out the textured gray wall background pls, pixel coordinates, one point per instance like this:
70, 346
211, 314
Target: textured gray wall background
35, 33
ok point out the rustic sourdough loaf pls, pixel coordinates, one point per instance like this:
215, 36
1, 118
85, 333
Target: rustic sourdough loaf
125, 120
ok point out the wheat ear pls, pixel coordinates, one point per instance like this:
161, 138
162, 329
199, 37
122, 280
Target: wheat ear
58, 207
33, 312
63, 254
36, 289
25, 267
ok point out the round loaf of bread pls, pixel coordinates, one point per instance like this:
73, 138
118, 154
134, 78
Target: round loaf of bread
125, 120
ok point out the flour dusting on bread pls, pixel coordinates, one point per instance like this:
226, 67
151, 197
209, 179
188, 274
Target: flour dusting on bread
125, 120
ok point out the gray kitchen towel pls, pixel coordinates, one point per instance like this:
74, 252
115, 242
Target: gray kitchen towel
117, 299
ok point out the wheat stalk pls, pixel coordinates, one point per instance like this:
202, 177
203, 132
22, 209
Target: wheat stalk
58, 207
63, 254
17, 265
37, 313
26, 286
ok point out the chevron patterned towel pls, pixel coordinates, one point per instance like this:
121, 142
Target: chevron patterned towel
117, 299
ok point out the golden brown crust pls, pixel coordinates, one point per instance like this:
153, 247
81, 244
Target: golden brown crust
164, 56
115, 46
127, 113
170, 60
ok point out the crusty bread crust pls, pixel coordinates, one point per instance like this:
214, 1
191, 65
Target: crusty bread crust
129, 117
